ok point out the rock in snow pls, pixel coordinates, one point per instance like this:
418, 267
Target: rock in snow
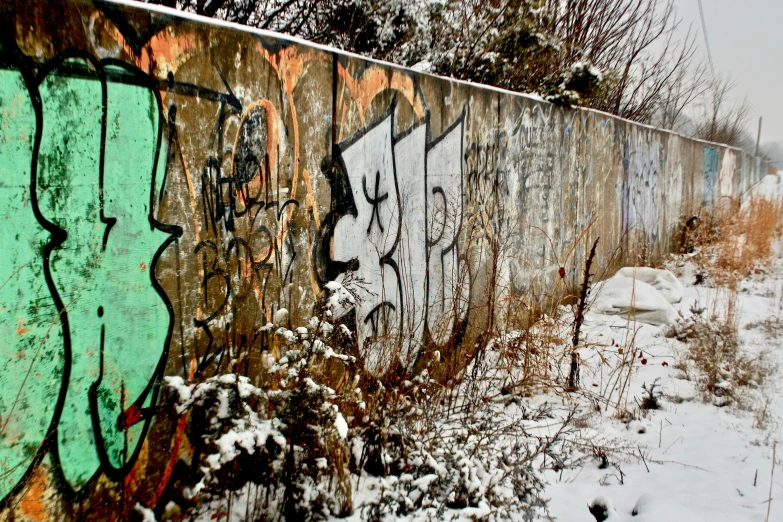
624, 294
601, 508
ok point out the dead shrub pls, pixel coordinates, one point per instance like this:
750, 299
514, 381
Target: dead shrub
449, 453
650, 401
723, 370
771, 326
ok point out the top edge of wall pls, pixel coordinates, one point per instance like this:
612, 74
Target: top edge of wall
293, 39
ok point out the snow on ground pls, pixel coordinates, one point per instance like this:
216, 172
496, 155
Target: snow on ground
695, 461
702, 459
688, 461
770, 186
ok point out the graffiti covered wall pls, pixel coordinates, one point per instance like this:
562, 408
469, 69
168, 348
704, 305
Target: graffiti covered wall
169, 186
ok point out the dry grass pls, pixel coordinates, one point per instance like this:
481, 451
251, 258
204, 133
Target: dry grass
734, 241
729, 243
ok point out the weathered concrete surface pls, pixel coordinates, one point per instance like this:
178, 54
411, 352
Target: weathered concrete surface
169, 185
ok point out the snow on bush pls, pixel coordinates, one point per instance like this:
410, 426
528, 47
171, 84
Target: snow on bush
714, 354
285, 440
463, 453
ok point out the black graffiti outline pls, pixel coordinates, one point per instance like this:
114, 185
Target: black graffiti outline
216, 210
375, 201
136, 40
214, 271
376, 316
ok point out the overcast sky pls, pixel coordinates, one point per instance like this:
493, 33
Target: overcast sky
746, 38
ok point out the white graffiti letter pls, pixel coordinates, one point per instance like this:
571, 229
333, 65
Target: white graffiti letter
371, 236
411, 253
447, 292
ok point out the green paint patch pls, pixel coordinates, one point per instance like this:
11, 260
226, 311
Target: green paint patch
68, 190
31, 351
99, 359
117, 321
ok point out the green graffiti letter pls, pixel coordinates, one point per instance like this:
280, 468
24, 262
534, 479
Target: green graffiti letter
136, 318
31, 343
68, 185
97, 165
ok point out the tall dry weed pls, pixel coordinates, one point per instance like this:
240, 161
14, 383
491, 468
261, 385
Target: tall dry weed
736, 240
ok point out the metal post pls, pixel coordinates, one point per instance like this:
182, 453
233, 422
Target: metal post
758, 138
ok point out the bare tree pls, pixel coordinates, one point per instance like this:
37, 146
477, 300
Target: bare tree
723, 120
379, 29
687, 87
636, 43
499, 42
289, 16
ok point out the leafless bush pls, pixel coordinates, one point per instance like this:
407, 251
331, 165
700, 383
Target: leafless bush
579, 317
449, 452
772, 326
721, 367
635, 42
650, 401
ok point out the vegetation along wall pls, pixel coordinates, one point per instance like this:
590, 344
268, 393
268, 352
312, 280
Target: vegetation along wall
169, 186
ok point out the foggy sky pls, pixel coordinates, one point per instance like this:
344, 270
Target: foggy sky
746, 38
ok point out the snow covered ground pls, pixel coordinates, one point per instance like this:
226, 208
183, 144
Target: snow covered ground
694, 461
701, 462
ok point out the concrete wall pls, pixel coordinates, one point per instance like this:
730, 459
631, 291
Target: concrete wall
167, 186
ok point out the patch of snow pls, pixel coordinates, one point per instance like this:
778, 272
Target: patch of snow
340, 300
178, 383
247, 436
266, 327
287, 334
635, 299
147, 514
662, 280
423, 66
280, 316
340, 425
